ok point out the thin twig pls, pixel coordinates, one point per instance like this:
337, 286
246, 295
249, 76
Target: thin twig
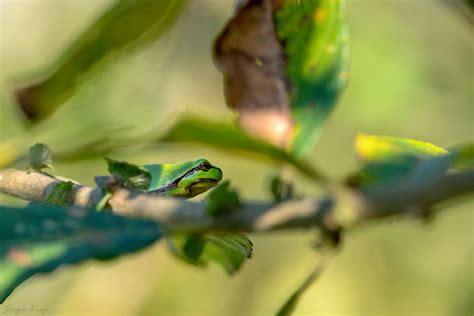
290, 304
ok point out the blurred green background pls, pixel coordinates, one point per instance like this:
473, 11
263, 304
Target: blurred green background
412, 76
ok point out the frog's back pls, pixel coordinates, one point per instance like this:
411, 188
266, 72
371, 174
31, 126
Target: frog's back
164, 174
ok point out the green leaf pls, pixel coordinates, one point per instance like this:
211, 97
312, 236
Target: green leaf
131, 175
316, 45
126, 25
222, 199
385, 158
40, 238
39, 157
59, 195
187, 247
193, 248
229, 251
227, 136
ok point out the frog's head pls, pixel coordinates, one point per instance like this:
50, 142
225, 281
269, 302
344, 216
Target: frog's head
200, 177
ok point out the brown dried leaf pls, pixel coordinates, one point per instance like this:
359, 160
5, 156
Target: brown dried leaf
252, 61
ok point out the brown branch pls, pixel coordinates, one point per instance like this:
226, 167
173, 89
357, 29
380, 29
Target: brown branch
344, 209
34, 186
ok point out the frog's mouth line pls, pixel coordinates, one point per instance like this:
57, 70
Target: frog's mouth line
211, 183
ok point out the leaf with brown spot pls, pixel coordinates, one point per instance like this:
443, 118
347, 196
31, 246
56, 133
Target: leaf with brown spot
285, 62
251, 59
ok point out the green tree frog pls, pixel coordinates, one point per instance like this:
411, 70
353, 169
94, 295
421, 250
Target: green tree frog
185, 179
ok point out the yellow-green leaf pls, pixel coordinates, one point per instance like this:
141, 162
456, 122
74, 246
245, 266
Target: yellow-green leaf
374, 148
384, 158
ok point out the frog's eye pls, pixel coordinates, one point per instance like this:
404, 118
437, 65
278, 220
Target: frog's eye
204, 166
